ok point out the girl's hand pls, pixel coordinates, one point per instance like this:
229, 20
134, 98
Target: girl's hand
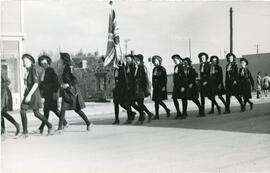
182, 89
65, 85
190, 85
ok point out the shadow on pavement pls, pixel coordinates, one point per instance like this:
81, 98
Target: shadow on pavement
251, 121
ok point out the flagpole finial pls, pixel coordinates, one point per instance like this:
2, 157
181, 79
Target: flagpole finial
110, 2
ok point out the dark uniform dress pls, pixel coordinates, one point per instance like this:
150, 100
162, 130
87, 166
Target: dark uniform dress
120, 95
190, 93
232, 88
216, 87
245, 82
178, 82
159, 81
35, 103
130, 71
29, 81
216, 80
6, 97
231, 76
6, 104
141, 82
49, 88
120, 87
71, 96
204, 77
142, 90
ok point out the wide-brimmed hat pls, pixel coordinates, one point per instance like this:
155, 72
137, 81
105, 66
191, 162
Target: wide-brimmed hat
26, 55
49, 60
156, 57
176, 56
244, 59
230, 54
188, 60
65, 57
214, 57
139, 56
203, 54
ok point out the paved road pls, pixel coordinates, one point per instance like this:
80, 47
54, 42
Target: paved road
237, 142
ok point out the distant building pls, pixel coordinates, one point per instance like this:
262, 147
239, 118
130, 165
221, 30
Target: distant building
257, 62
95, 81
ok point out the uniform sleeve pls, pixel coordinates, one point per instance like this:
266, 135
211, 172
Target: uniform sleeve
164, 76
220, 74
34, 75
251, 79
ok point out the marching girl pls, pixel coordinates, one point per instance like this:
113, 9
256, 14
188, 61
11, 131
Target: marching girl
190, 89
120, 94
246, 82
204, 78
141, 88
32, 98
49, 87
178, 84
216, 83
231, 82
6, 104
71, 96
159, 83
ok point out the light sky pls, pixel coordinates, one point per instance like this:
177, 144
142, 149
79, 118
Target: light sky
153, 27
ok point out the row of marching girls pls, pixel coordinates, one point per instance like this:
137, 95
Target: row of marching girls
238, 83
132, 85
48, 86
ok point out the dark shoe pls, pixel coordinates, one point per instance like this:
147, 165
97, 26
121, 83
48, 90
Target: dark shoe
90, 126
184, 115
227, 112
243, 109
128, 122
168, 113
133, 116
251, 106
17, 130
139, 122
219, 110
150, 117
211, 112
155, 118
178, 115
116, 122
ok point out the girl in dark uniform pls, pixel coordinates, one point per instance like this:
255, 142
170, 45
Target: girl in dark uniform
49, 87
216, 83
159, 83
190, 89
245, 82
71, 96
231, 82
6, 104
178, 84
204, 79
142, 86
120, 93
32, 99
